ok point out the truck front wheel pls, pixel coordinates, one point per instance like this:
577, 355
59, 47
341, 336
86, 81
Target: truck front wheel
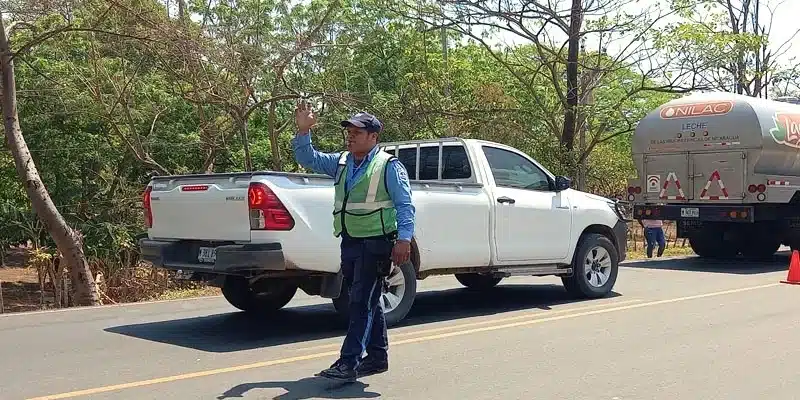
265, 297
594, 268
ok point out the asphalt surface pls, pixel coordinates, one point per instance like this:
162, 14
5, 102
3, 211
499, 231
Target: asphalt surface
674, 329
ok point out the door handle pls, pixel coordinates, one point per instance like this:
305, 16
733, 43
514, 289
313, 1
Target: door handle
505, 199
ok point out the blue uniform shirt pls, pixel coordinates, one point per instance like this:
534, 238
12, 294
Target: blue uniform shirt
396, 178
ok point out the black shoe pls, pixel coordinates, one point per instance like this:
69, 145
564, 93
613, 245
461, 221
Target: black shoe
340, 372
372, 366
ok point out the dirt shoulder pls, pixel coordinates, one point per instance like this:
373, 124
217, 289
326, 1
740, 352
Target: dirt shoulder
21, 291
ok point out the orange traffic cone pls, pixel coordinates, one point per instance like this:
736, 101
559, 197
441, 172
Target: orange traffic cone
794, 269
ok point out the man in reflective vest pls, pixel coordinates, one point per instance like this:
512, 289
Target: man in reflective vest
374, 217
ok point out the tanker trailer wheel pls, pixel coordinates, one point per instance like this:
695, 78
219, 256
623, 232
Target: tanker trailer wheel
700, 245
709, 242
761, 243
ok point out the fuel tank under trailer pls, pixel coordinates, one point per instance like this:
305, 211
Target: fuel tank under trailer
726, 167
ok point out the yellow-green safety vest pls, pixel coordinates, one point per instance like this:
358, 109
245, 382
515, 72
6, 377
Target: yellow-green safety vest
367, 210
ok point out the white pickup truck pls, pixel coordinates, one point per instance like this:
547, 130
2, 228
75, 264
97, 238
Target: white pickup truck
485, 211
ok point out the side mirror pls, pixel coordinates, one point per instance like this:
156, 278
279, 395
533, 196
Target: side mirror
562, 183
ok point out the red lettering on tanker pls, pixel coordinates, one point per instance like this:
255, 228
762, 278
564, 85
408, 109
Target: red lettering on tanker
697, 110
787, 129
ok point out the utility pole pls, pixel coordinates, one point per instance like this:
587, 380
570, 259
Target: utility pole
447, 89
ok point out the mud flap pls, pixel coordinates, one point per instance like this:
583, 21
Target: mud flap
331, 285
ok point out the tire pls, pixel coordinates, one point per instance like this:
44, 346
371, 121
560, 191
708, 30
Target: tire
478, 281
240, 294
761, 248
398, 312
582, 283
710, 242
760, 241
700, 246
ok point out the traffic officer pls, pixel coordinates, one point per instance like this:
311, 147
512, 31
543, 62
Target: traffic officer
374, 217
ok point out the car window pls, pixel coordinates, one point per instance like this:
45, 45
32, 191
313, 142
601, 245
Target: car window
408, 157
512, 170
454, 159
428, 163
455, 163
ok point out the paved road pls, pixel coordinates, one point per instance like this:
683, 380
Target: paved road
675, 329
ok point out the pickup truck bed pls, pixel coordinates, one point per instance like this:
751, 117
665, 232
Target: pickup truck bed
484, 211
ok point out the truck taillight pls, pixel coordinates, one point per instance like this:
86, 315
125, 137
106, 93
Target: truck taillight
148, 210
267, 212
194, 188
760, 188
634, 189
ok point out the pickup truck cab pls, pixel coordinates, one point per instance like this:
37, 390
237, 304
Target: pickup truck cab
484, 211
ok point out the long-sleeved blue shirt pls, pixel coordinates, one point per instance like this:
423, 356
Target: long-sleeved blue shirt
396, 178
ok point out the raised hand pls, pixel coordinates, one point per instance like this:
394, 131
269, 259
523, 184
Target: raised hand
304, 117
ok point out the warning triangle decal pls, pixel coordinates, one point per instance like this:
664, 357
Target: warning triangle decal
714, 177
674, 178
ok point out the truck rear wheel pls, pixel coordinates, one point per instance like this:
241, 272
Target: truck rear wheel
478, 281
761, 240
710, 242
701, 246
264, 298
761, 247
594, 268
399, 291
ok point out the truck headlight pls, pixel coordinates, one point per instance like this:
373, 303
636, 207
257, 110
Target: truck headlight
619, 209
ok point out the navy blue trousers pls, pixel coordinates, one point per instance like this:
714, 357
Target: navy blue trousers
367, 328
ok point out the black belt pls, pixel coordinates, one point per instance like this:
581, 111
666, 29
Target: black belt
388, 236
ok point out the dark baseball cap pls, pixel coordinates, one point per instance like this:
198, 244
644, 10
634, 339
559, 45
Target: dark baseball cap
364, 120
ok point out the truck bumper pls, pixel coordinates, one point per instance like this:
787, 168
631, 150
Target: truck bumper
233, 259
696, 212
621, 238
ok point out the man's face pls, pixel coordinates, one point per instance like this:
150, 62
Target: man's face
359, 140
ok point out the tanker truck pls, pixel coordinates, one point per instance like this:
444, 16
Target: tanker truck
726, 168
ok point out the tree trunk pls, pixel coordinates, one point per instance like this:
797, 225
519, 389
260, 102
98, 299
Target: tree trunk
273, 138
242, 124
66, 239
570, 114
182, 10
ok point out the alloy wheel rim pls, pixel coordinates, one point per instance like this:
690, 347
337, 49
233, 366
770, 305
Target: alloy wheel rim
597, 266
394, 290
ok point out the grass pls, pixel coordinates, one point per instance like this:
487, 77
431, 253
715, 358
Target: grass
20, 292
637, 245
670, 251
188, 293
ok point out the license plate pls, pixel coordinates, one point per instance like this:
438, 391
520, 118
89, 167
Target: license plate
207, 255
690, 212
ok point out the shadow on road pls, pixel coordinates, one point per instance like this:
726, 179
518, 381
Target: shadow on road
306, 388
236, 331
738, 266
